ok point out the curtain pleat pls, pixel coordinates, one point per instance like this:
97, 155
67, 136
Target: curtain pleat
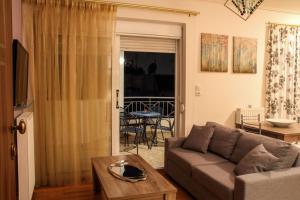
70, 46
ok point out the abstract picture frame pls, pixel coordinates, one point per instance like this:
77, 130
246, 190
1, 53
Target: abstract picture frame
244, 55
243, 8
214, 52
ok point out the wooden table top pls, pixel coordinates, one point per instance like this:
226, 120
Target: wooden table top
293, 129
117, 189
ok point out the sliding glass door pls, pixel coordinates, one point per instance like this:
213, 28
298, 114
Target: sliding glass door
144, 80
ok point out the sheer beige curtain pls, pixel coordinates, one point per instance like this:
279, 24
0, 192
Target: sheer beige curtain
70, 45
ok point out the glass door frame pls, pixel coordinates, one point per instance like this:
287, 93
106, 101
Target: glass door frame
117, 94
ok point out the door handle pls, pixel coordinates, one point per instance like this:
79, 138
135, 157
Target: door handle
21, 127
117, 99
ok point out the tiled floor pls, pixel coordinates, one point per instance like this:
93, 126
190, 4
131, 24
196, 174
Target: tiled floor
154, 156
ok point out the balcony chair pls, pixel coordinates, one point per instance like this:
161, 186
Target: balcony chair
128, 124
169, 128
158, 125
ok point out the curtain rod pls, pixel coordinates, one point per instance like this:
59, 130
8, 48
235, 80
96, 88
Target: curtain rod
142, 6
270, 23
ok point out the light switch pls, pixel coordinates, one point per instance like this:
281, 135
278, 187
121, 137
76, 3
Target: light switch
197, 91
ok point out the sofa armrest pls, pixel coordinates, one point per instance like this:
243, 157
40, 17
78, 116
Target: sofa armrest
273, 185
174, 142
169, 144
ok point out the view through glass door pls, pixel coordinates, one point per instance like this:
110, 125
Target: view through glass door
147, 103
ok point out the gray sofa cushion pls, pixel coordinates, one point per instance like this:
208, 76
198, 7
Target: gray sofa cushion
257, 160
216, 178
185, 158
186, 181
286, 152
199, 138
223, 140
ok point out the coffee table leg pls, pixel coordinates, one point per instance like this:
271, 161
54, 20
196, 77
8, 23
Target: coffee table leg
170, 196
96, 182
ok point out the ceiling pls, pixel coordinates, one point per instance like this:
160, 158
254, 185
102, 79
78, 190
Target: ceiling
289, 6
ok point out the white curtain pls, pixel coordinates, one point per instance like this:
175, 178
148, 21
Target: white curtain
282, 71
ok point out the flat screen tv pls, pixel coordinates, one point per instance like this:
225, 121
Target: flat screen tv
20, 74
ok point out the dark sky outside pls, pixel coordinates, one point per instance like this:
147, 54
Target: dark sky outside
149, 74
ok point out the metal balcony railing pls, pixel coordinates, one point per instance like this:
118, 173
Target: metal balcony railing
167, 104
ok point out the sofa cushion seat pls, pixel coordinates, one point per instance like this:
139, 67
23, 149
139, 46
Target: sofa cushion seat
216, 178
185, 158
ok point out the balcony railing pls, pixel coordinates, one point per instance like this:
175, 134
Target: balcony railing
167, 104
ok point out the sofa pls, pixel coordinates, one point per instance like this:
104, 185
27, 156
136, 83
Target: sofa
211, 175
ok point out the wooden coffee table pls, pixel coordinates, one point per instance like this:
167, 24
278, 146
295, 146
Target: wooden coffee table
154, 187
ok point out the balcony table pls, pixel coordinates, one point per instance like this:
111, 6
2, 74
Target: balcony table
146, 115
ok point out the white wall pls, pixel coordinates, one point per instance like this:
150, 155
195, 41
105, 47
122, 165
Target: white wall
221, 93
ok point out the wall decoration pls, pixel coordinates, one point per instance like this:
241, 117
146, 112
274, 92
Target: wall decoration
244, 55
243, 8
214, 53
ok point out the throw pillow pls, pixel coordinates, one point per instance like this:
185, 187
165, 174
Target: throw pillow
286, 152
223, 140
257, 160
199, 138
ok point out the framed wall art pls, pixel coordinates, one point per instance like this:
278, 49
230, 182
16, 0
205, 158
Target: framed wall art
243, 8
244, 55
214, 53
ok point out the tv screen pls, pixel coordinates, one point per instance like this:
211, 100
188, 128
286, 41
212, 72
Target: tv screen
20, 74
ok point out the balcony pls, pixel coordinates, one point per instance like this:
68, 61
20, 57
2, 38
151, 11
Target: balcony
167, 105
167, 109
